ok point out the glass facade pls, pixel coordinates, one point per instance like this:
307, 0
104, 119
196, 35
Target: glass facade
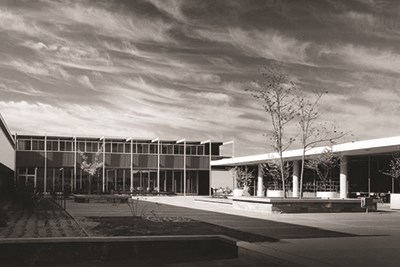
52, 164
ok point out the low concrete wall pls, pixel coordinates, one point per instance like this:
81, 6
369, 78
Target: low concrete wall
395, 201
275, 205
139, 251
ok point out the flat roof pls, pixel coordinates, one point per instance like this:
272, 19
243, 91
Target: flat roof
365, 147
116, 139
6, 131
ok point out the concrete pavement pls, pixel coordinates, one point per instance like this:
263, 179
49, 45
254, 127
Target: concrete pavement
333, 239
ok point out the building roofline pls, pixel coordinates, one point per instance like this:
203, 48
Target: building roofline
120, 138
7, 131
372, 146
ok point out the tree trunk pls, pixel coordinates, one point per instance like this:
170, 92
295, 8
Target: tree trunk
283, 176
303, 159
90, 184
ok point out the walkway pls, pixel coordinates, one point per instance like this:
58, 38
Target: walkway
341, 239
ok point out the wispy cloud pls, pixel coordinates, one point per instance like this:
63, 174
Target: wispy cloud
367, 58
170, 7
269, 44
109, 23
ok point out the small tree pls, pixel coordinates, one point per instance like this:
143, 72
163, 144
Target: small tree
277, 94
91, 168
322, 165
394, 169
272, 174
312, 133
243, 179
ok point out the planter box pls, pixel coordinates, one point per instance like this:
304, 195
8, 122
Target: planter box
294, 205
237, 192
275, 193
327, 194
395, 201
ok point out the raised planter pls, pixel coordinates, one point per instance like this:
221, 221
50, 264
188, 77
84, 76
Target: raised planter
327, 194
275, 193
238, 192
295, 205
395, 201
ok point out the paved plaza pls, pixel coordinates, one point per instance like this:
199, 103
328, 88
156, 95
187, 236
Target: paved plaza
324, 239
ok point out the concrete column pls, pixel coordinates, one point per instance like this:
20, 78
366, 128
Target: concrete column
343, 177
260, 186
296, 175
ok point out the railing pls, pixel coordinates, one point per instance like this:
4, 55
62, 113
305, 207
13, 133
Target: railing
332, 186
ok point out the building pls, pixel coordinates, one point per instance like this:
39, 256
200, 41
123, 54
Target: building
362, 167
7, 158
53, 163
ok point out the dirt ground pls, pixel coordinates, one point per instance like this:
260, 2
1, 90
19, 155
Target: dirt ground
45, 220
140, 226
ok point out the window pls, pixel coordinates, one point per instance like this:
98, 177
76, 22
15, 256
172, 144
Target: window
108, 147
120, 148
38, 145
128, 148
193, 150
200, 150
24, 144
81, 146
153, 149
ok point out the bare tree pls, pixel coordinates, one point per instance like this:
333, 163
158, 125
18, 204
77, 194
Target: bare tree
313, 133
278, 97
91, 168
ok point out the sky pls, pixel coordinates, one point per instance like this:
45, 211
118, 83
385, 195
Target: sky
179, 69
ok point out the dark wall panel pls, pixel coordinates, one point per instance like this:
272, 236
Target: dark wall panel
170, 162
145, 161
30, 159
56, 159
118, 160
197, 163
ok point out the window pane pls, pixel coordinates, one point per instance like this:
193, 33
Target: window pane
62, 145
68, 146
120, 148
21, 144
81, 146
200, 150
54, 145
128, 148
108, 147
41, 145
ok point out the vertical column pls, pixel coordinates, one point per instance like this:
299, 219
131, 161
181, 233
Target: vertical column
184, 167
296, 174
35, 179
75, 163
158, 165
343, 177
104, 164
45, 165
123, 181
210, 171
260, 185
131, 187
